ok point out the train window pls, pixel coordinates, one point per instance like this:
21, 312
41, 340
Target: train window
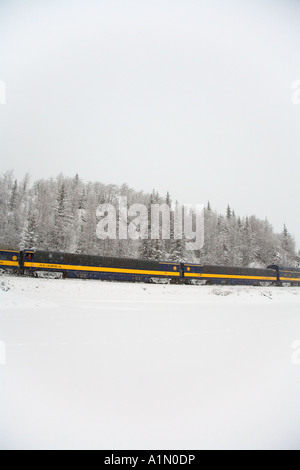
8, 256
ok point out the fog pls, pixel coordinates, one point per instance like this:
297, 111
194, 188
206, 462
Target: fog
190, 97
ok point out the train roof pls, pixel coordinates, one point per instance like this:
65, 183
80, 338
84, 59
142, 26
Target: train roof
284, 268
9, 248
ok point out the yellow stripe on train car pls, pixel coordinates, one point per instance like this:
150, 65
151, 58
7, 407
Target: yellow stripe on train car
102, 269
229, 276
290, 272
9, 263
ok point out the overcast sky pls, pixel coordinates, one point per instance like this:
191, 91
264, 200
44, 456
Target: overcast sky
188, 96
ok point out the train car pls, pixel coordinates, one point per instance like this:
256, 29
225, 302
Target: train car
287, 276
53, 264
9, 259
205, 274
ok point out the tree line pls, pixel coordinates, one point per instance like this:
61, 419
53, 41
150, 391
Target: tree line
59, 214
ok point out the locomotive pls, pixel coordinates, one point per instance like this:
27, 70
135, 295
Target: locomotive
68, 265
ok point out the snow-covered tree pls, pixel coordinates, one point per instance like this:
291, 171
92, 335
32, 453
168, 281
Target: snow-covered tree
30, 236
60, 214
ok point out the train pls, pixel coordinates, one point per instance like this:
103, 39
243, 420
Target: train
69, 265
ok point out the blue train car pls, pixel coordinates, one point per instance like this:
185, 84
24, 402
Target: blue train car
205, 274
42, 263
9, 259
290, 276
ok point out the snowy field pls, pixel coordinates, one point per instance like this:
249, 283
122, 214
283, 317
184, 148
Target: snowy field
90, 364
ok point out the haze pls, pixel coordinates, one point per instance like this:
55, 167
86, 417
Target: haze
191, 97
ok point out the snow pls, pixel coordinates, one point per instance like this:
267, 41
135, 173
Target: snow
100, 365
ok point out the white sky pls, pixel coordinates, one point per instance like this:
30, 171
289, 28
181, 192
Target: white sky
190, 96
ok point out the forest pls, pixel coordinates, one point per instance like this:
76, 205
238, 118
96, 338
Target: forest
59, 214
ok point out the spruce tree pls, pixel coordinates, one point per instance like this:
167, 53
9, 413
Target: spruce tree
167, 243
30, 236
14, 195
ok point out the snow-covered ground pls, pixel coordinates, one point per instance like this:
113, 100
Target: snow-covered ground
90, 364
